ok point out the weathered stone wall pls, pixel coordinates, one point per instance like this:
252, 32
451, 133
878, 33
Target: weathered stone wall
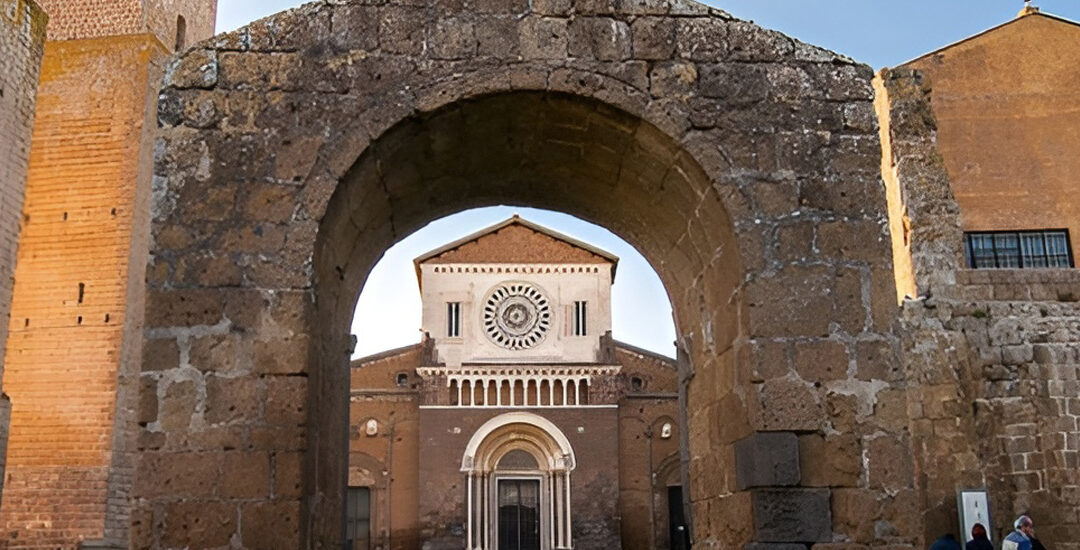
995, 407
76, 301
924, 218
743, 164
1018, 285
990, 357
22, 39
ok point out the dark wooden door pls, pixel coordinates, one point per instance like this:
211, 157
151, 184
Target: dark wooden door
680, 535
519, 514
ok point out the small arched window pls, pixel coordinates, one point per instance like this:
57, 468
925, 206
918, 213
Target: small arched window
402, 379
181, 32
637, 384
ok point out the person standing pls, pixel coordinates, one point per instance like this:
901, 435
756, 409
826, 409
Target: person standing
946, 542
1020, 538
979, 539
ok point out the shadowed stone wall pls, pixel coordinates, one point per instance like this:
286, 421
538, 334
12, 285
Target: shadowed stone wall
742, 163
22, 41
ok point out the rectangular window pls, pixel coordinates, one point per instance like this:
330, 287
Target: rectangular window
453, 319
1023, 249
580, 321
357, 518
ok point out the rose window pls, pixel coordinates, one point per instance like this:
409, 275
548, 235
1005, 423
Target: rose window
517, 316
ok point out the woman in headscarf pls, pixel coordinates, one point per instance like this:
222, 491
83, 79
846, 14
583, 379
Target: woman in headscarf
979, 540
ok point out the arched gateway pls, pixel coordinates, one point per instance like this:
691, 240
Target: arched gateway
743, 164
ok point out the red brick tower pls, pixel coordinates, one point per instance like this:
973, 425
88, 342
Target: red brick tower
80, 265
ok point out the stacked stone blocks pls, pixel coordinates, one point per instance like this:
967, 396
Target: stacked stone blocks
743, 163
989, 355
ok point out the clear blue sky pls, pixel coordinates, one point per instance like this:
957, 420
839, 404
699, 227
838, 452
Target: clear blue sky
880, 33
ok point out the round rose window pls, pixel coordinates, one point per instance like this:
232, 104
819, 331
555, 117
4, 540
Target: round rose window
517, 316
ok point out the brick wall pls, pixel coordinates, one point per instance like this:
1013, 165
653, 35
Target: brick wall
517, 243
85, 216
1001, 100
73, 19
22, 38
77, 19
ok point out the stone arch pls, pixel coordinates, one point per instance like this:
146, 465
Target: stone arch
538, 176
743, 164
542, 438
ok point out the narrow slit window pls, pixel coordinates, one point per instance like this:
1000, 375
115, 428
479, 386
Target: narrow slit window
580, 323
181, 33
453, 319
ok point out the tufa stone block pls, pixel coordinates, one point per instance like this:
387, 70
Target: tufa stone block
792, 515
767, 459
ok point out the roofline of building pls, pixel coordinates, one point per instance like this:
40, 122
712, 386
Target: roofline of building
653, 395
988, 31
509, 221
383, 355
643, 351
355, 363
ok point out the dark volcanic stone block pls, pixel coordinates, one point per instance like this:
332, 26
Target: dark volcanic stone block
792, 515
767, 459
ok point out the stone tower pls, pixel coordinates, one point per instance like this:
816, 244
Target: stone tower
76, 306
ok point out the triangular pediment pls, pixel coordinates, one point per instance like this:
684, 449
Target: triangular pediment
1035, 23
517, 241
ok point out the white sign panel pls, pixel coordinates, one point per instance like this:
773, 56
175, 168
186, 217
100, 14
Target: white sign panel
974, 508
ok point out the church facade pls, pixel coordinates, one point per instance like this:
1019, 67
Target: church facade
518, 423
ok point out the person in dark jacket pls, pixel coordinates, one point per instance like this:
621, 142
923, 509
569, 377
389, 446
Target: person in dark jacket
1035, 544
979, 540
946, 542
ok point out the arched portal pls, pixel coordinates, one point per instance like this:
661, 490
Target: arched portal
518, 461
492, 149
744, 165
